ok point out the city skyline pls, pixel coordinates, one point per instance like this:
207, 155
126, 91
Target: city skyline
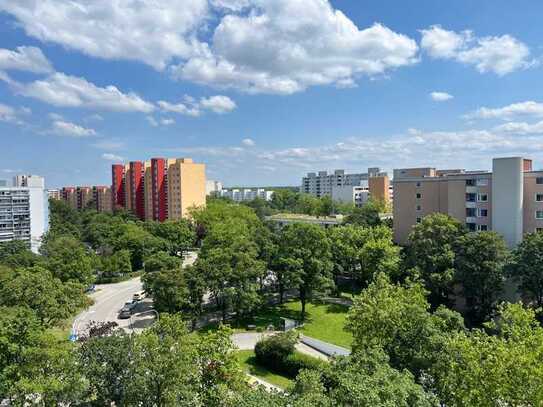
391, 85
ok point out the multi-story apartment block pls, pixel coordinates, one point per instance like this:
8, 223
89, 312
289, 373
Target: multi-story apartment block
508, 200
321, 183
24, 211
54, 194
69, 195
102, 198
84, 197
213, 188
375, 187
159, 189
246, 194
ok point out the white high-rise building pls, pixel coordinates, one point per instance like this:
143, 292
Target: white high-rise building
321, 183
24, 211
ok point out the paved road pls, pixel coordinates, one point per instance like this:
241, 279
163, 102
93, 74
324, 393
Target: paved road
108, 300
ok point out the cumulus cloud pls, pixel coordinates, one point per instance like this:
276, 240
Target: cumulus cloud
112, 157
154, 32
440, 96
191, 107
167, 122
247, 142
521, 128
307, 43
218, 104
29, 59
64, 128
64, 90
231, 5
7, 113
528, 109
499, 54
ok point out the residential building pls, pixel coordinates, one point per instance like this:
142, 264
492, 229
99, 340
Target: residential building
102, 198
84, 197
245, 194
159, 189
321, 183
54, 194
508, 200
375, 187
69, 195
24, 211
213, 187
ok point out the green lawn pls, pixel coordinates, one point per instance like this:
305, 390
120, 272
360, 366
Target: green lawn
323, 321
248, 363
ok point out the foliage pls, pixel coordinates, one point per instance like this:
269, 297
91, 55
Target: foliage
366, 216
397, 320
478, 369
179, 234
36, 288
480, 262
527, 268
161, 261
305, 254
63, 220
69, 260
116, 264
431, 247
15, 253
272, 351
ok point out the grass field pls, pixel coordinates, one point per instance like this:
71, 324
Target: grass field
248, 363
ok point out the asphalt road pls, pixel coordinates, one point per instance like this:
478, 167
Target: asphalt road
108, 300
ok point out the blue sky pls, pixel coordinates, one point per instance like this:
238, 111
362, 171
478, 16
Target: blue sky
264, 91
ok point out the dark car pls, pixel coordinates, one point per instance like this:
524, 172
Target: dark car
126, 310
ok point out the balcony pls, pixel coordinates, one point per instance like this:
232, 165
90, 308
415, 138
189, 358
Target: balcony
471, 190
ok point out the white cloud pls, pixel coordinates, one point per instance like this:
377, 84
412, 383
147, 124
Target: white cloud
499, 54
218, 104
181, 108
167, 122
247, 142
190, 107
55, 116
284, 46
154, 32
29, 59
152, 121
70, 91
94, 118
521, 128
232, 5
440, 96
112, 157
528, 109
7, 113
64, 128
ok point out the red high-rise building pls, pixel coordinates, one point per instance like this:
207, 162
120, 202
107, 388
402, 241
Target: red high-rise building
137, 193
117, 185
159, 171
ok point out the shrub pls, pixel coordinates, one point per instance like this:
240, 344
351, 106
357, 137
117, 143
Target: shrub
298, 361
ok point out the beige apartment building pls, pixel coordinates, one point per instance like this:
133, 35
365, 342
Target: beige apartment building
508, 200
186, 187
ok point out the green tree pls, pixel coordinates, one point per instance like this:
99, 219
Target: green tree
504, 369
161, 261
305, 251
480, 262
69, 260
397, 320
527, 268
16, 253
367, 216
37, 289
115, 264
431, 248
178, 233
168, 288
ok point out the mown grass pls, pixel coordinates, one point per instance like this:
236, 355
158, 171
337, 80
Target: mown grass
248, 363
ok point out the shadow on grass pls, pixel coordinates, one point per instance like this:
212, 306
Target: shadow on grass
336, 309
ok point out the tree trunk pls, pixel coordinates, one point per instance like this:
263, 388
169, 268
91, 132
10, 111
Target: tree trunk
281, 293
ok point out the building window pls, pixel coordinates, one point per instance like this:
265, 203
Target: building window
470, 182
471, 212
539, 197
419, 195
482, 197
419, 220
483, 213
482, 228
472, 227
539, 180
482, 182
539, 214
539, 230
419, 208
471, 197
418, 184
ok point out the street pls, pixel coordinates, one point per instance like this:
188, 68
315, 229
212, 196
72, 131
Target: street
108, 300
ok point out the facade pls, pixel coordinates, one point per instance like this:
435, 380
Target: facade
24, 213
508, 200
376, 187
159, 189
246, 194
83, 197
54, 194
213, 187
321, 183
28, 180
102, 198
69, 195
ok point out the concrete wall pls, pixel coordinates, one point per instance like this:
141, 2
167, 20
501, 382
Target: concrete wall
531, 188
507, 198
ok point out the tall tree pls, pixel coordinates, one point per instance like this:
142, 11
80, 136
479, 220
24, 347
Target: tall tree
69, 260
431, 248
480, 262
367, 215
527, 268
305, 251
179, 234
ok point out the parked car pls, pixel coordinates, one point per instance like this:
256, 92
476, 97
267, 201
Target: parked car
127, 309
140, 295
